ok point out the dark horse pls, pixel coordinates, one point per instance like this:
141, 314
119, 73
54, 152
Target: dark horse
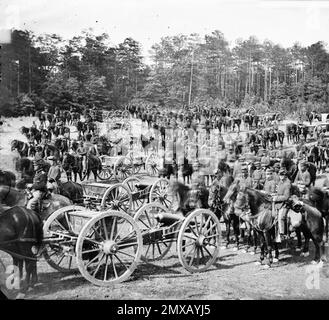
72, 164
189, 198
309, 221
22, 147
260, 217
94, 165
320, 200
7, 178
20, 230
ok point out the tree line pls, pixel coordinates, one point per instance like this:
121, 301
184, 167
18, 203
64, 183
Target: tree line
88, 70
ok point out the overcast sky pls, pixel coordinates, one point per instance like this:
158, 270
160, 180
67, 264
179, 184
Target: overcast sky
281, 21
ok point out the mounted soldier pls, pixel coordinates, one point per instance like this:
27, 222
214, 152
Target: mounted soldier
303, 178
54, 175
283, 194
38, 187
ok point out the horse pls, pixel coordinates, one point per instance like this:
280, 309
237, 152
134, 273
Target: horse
221, 209
188, 198
260, 217
308, 221
273, 137
62, 145
81, 127
7, 178
187, 171
236, 122
320, 200
20, 231
280, 135
72, 163
22, 147
25, 167
94, 165
14, 197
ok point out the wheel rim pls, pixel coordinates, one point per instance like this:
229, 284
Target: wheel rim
151, 166
109, 248
199, 240
160, 193
59, 254
156, 241
117, 198
105, 174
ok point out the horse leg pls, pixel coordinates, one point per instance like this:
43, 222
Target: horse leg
236, 230
228, 227
307, 237
19, 264
262, 248
299, 239
268, 241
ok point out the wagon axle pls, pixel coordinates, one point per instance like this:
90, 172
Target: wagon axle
110, 247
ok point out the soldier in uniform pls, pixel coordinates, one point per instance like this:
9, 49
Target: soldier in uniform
283, 194
258, 177
54, 175
39, 185
244, 178
270, 184
238, 165
303, 178
82, 154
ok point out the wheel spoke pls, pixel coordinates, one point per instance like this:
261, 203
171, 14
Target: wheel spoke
159, 248
208, 251
198, 257
125, 253
121, 261
92, 260
91, 250
113, 226
105, 229
191, 261
98, 265
206, 224
212, 227
190, 251
106, 266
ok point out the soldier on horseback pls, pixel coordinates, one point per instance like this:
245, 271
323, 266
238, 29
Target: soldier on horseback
54, 175
283, 194
39, 186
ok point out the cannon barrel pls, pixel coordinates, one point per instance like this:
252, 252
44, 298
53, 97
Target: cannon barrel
169, 218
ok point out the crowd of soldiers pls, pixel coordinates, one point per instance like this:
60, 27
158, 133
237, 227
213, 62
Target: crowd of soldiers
266, 170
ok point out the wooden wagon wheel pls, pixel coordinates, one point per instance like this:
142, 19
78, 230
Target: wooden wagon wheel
160, 192
107, 172
123, 168
156, 240
118, 198
137, 202
108, 248
59, 254
199, 240
136, 167
125, 114
151, 165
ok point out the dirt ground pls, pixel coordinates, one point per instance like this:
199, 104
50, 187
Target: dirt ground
234, 275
